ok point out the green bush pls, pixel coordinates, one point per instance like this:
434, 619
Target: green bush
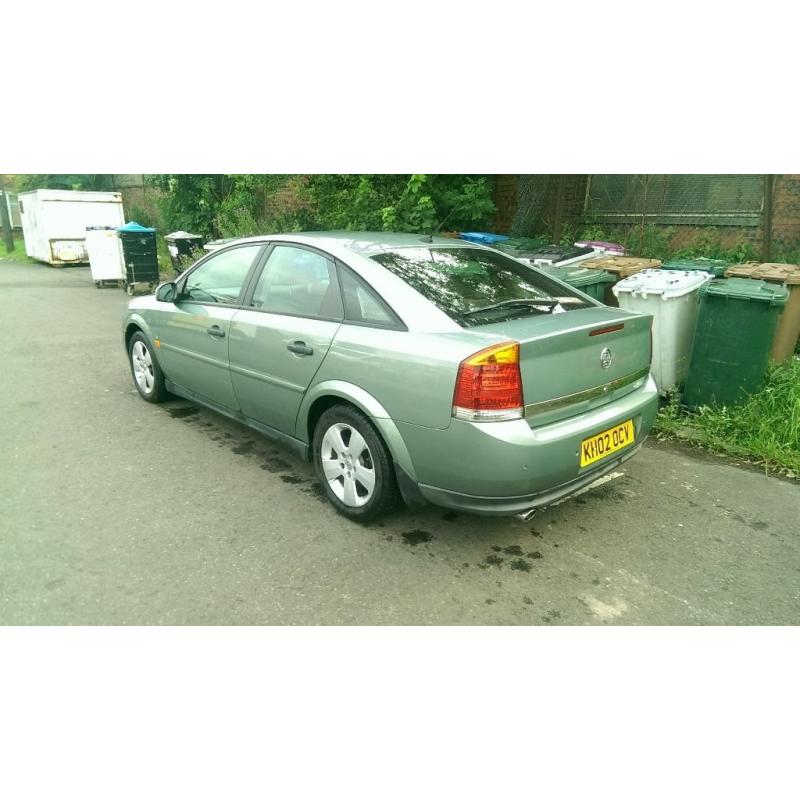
142, 216
655, 241
650, 241
647, 241
787, 255
191, 202
708, 244
240, 205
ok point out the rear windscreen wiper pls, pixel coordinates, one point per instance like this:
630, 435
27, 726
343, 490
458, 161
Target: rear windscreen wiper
551, 302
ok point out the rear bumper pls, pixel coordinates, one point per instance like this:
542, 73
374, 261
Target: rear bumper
510, 467
503, 506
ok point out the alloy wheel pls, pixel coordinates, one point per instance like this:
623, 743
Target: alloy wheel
347, 464
142, 367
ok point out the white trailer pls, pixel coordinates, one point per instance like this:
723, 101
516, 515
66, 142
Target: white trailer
54, 222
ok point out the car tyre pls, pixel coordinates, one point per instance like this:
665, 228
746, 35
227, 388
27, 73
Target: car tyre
353, 464
147, 375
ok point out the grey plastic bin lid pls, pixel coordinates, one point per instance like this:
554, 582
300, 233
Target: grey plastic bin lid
182, 235
664, 283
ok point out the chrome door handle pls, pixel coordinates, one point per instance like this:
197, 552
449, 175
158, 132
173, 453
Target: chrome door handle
215, 330
301, 348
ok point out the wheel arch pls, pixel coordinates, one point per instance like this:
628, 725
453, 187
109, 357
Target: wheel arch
330, 393
134, 323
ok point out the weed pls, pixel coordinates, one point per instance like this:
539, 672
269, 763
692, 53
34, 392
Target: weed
708, 244
18, 254
765, 428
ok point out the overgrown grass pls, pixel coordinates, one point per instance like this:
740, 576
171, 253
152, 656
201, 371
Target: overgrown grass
17, 254
765, 429
656, 241
165, 269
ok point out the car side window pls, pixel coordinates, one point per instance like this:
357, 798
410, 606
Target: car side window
298, 282
221, 277
362, 305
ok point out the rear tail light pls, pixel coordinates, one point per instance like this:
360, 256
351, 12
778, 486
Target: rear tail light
489, 385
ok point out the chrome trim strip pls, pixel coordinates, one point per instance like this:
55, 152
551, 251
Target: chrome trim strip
215, 362
267, 378
587, 394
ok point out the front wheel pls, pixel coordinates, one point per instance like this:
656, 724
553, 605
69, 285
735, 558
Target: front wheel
353, 464
147, 375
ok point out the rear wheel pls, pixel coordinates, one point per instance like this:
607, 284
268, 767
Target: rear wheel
353, 464
147, 375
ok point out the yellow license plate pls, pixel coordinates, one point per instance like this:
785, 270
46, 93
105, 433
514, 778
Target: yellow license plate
603, 444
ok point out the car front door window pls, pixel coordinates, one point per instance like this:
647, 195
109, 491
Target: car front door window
221, 277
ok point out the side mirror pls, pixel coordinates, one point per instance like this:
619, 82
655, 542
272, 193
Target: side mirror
167, 292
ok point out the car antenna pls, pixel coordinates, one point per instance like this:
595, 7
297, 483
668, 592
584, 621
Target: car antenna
429, 236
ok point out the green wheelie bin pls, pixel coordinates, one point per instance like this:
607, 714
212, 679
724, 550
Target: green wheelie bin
715, 266
590, 281
519, 245
735, 327
788, 332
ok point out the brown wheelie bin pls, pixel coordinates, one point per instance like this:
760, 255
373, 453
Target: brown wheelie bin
620, 267
788, 330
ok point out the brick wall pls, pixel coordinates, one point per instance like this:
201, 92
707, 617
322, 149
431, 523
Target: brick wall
574, 198
505, 198
785, 224
786, 214
785, 218
140, 203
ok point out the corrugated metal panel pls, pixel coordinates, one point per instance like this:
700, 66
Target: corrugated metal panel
677, 199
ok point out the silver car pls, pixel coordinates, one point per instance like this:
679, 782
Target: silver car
423, 368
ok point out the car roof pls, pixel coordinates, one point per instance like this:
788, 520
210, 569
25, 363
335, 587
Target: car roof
365, 243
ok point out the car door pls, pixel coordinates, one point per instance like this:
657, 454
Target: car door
282, 333
194, 329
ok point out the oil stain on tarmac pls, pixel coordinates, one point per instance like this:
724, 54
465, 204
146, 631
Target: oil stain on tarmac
416, 536
182, 412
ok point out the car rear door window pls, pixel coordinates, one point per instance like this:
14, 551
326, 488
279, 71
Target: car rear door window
298, 282
220, 278
362, 305
475, 286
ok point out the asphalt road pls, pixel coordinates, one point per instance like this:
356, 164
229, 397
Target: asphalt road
115, 511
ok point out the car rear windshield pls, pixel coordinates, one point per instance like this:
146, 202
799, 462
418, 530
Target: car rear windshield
476, 287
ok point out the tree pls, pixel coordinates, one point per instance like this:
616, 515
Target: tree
238, 205
531, 193
5, 219
191, 202
78, 182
